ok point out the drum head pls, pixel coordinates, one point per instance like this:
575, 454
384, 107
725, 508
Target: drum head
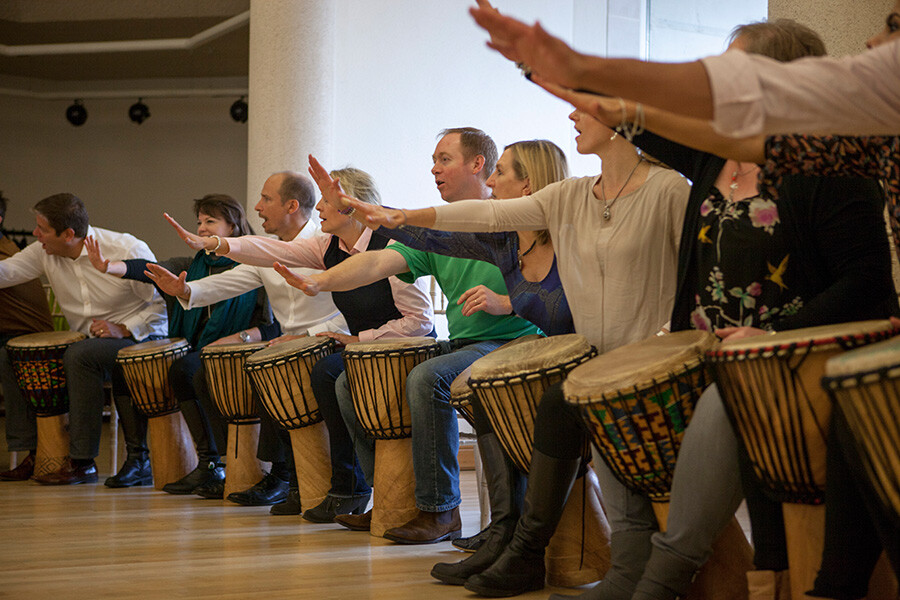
637, 364
514, 360
287, 349
459, 389
46, 339
877, 361
153, 347
390, 345
825, 337
229, 349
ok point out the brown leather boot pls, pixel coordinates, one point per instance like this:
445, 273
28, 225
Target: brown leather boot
361, 522
428, 528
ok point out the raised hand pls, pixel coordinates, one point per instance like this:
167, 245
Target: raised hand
329, 186
194, 241
482, 298
530, 46
168, 282
612, 112
307, 285
94, 255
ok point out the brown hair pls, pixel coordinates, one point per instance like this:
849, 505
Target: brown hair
225, 207
782, 39
64, 211
474, 143
300, 188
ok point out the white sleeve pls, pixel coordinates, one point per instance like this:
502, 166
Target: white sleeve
222, 286
22, 266
855, 95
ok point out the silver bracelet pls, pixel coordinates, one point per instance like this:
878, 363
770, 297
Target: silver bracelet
218, 244
405, 217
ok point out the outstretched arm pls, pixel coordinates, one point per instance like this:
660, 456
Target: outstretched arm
198, 242
687, 131
681, 88
168, 282
115, 268
358, 270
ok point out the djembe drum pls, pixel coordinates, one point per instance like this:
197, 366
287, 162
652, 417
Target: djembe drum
637, 401
146, 369
865, 385
509, 383
281, 376
229, 387
37, 360
771, 389
376, 372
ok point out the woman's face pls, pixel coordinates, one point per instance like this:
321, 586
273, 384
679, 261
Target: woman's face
503, 181
208, 225
333, 221
891, 29
592, 136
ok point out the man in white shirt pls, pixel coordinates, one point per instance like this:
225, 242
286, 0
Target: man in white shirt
113, 312
285, 205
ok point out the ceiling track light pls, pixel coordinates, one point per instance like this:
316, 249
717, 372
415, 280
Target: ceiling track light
138, 112
239, 110
76, 114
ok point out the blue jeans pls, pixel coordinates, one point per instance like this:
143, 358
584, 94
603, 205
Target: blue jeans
435, 437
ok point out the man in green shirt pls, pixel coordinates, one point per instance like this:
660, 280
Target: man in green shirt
463, 160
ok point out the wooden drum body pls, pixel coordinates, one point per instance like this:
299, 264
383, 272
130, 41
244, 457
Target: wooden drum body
771, 389
509, 383
229, 386
376, 372
281, 376
146, 370
37, 360
637, 401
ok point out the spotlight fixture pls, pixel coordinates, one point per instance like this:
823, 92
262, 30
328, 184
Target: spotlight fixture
239, 110
138, 112
76, 114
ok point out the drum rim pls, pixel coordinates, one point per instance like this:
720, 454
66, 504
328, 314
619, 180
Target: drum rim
175, 346
231, 350
770, 348
575, 341
76, 334
358, 354
268, 361
575, 398
532, 375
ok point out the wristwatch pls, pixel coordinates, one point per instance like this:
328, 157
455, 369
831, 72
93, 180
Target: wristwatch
245, 336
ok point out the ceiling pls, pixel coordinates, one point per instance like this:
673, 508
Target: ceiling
30, 26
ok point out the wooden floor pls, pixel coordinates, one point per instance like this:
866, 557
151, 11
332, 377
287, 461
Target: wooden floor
88, 541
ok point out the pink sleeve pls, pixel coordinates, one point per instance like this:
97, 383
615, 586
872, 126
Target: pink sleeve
262, 251
414, 304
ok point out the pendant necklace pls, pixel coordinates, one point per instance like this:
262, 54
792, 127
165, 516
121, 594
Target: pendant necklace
524, 254
734, 184
608, 205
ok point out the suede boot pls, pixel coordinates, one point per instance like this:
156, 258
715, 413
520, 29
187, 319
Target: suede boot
506, 490
520, 568
666, 577
630, 551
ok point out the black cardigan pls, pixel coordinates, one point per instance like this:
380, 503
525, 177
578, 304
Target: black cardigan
835, 228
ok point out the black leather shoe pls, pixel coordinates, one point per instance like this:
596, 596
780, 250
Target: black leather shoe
332, 506
472, 543
205, 473
268, 490
135, 471
214, 490
290, 506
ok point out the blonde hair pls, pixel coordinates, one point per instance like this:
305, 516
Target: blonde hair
358, 184
542, 163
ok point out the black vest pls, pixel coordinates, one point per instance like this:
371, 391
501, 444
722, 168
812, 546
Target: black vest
366, 307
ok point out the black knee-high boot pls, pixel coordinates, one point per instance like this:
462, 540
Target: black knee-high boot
506, 488
520, 568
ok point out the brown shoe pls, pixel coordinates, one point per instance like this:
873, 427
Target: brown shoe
428, 528
361, 522
69, 474
21, 473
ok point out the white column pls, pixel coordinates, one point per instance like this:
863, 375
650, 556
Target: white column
291, 88
844, 25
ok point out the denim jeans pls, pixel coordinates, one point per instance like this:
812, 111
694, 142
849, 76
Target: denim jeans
435, 437
347, 478
88, 364
21, 431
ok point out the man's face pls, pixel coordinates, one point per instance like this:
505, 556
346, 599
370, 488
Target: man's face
270, 207
454, 176
53, 244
